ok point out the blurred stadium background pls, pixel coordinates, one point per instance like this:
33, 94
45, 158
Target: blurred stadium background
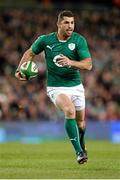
26, 113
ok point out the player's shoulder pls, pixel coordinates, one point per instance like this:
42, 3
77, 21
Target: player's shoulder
50, 35
79, 39
45, 36
78, 36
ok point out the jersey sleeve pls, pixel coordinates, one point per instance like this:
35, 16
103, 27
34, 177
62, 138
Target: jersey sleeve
82, 49
38, 45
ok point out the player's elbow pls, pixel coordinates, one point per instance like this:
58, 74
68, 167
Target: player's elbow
89, 65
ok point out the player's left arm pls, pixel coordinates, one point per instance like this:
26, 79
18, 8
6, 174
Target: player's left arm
85, 60
82, 64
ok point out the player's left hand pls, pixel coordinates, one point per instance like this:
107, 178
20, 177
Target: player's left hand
64, 61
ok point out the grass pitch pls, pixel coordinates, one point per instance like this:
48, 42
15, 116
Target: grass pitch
56, 160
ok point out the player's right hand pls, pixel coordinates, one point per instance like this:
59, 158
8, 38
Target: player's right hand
19, 76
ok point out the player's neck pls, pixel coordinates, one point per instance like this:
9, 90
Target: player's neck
61, 37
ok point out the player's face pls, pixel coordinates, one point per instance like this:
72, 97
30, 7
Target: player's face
66, 26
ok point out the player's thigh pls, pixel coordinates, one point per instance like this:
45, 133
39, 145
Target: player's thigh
64, 103
80, 117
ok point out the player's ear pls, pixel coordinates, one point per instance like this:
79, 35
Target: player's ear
57, 24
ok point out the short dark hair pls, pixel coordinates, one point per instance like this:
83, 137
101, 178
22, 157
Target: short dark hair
64, 13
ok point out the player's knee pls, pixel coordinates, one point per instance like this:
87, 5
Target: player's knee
82, 124
69, 112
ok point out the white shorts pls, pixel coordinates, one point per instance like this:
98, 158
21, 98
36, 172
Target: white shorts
76, 95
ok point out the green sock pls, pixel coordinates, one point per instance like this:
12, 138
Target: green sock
73, 134
82, 137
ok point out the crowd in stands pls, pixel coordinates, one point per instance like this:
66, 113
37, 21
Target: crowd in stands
27, 100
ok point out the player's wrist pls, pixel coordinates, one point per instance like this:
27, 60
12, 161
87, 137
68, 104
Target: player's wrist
17, 70
71, 64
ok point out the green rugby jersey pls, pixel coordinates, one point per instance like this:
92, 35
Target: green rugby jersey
75, 48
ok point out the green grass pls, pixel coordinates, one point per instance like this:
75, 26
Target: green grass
56, 160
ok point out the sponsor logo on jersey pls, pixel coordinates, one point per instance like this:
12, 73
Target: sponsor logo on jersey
73, 139
50, 47
71, 46
56, 58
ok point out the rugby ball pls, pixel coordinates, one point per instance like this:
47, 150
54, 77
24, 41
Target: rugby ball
29, 70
